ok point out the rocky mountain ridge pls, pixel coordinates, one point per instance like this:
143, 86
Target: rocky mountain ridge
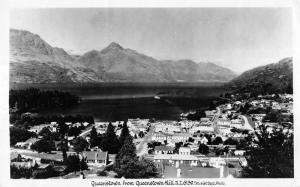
33, 60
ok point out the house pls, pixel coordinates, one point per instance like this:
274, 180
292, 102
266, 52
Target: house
184, 151
188, 123
228, 106
239, 152
202, 128
137, 122
210, 113
159, 137
97, 158
85, 124
68, 123
176, 159
204, 119
38, 128
76, 125
167, 126
53, 123
164, 149
223, 123
27, 144
179, 137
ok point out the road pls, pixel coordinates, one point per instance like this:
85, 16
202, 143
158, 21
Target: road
215, 119
86, 131
142, 147
247, 124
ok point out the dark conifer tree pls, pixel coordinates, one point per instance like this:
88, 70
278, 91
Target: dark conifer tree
271, 157
110, 141
124, 133
94, 137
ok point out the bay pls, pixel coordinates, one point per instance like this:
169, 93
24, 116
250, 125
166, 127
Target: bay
119, 101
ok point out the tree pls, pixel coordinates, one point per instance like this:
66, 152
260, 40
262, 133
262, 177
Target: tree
141, 134
208, 137
73, 163
20, 172
45, 132
177, 146
148, 169
153, 144
203, 149
19, 135
80, 144
127, 150
43, 145
63, 128
273, 116
64, 148
127, 164
271, 157
74, 131
124, 133
33, 99
218, 140
230, 141
110, 141
44, 174
191, 139
94, 137
83, 165
126, 154
244, 109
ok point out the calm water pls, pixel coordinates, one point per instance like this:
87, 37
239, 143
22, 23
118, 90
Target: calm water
119, 101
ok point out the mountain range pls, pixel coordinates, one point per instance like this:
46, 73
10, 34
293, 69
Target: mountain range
33, 60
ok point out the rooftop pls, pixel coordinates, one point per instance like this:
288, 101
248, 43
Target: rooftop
164, 148
93, 155
175, 157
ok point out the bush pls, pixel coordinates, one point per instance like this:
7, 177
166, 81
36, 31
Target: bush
20, 172
101, 173
109, 167
49, 161
44, 174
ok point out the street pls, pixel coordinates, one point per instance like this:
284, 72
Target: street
142, 147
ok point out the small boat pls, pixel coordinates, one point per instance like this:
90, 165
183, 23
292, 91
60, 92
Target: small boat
156, 97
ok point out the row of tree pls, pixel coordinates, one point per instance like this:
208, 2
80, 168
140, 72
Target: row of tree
27, 120
34, 99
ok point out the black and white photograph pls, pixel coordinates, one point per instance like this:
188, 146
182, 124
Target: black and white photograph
109, 93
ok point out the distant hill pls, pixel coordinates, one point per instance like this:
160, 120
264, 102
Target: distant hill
271, 78
32, 60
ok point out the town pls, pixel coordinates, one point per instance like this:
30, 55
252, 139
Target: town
214, 146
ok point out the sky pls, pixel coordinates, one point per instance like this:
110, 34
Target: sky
236, 38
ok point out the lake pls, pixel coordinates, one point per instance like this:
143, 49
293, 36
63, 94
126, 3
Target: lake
118, 101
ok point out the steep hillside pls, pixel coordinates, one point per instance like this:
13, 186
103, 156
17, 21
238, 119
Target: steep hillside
32, 60
276, 77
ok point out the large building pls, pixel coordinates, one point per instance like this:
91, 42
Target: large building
96, 158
